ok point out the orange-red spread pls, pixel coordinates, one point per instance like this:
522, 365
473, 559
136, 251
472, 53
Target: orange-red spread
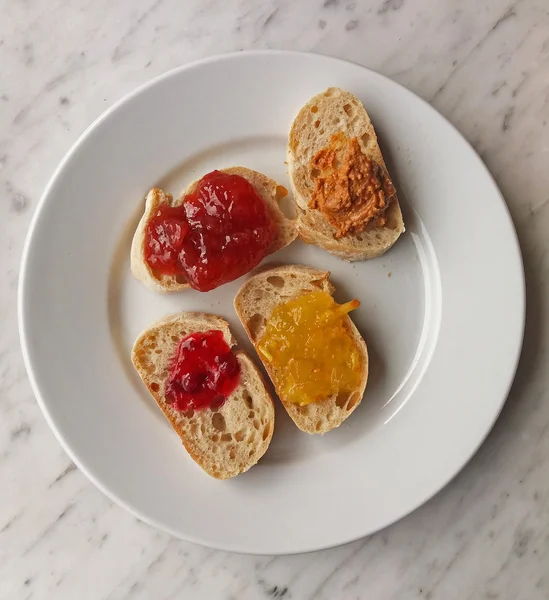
313, 354
352, 191
221, 230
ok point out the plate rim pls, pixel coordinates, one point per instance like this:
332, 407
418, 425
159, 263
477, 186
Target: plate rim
23, 276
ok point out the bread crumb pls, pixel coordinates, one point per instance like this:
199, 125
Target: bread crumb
389, 274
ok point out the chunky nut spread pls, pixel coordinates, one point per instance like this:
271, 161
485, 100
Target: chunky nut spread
352, 191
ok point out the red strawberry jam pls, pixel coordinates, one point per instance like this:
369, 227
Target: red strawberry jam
219, 232
203, 374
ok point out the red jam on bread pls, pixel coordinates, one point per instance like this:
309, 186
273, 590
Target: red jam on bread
204, 372
220, 231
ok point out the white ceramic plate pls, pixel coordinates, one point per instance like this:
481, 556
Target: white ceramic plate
442, 312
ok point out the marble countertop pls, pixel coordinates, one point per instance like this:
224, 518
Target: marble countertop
485, 66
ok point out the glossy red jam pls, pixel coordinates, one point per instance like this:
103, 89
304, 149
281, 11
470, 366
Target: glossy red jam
204, 372
166, 232
220, 232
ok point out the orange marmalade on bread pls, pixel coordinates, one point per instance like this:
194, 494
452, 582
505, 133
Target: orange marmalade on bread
310, 348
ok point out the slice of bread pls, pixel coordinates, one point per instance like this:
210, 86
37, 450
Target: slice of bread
224, 442
254, 304
267, 188
326, 114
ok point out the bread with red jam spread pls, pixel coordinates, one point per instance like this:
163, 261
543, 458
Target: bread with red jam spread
227, 440
255, 303
268, 190
319, 149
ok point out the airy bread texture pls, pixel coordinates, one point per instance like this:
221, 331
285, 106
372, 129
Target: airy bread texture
326, 114
224, 442
254, 304
267, 188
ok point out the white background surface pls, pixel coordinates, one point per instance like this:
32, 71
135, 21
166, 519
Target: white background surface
486, 535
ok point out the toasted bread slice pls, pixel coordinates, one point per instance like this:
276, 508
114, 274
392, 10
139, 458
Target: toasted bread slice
254, 304
324, 115
224, 442
267, 188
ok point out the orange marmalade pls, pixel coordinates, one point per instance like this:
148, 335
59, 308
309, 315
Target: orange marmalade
308, 344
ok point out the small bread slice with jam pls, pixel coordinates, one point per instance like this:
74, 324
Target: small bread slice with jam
346, 201
214, 398
312, 351
220, 228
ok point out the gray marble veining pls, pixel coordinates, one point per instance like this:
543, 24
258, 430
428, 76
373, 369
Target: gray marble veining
485, 66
